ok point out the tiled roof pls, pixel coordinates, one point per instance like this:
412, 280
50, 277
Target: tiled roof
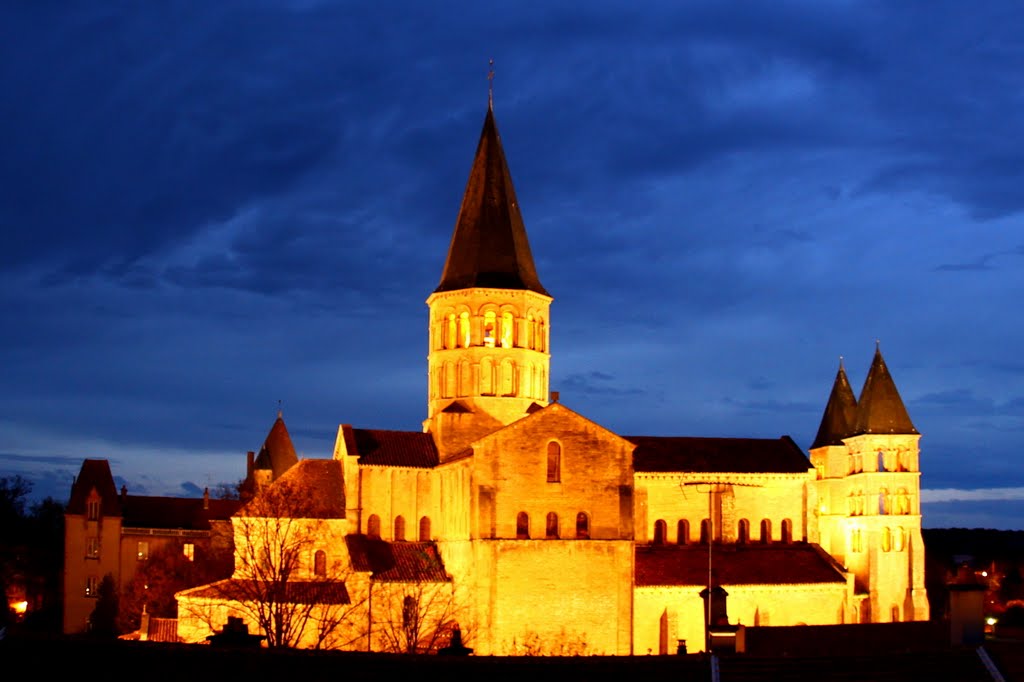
392, 448
773, 564
726, 455
278, 452
489, 247
880, 408
142, 511
95, 473
396, 561
295, 591
840, 413
312, 489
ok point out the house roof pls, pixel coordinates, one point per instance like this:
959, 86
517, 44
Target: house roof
392, 448
142, 511
880, 408
312, 489
773, 564
726, 455
837, 422
397, 561
95, 473
278, 452
295, 591
489, 247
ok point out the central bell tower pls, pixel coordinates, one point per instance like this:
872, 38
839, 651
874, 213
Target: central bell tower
489, 357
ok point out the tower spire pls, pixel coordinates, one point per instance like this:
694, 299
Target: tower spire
880, 408
840, 412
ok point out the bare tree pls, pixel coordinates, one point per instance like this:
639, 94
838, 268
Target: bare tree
415, 617
282, 581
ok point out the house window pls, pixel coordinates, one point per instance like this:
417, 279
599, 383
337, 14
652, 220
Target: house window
551, 526
683, 532
787, 530
554, 462
142, 550
92, 510
582, 526
189, 550
659, 532
320, 564
766, 531
522, 526
399, 529
743, 532
425, 529
92, 548
373, 526
92, 584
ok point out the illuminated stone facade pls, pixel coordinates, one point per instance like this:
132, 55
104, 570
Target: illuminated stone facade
560, 536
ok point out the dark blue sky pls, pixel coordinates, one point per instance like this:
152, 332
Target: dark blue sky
210, 207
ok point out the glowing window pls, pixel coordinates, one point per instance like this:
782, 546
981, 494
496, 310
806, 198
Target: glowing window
551, 526
424, 529
320, 564
508, 330
683, 532
373, 526
142, 550
464, 336
490, 329
582, 526
92, 584
399, 529
92, 510
554, 462
522, 526
92, 548
189, 550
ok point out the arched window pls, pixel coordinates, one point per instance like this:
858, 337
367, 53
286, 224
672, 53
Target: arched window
526, 378
705, 531
451, 339
743, 532
320, 564
582, 526
883, 502
551, 527
522, 526
373, 526
860, 503
856, 544
465, 378
531, 332
399, 529
902, 501
683, 532
450, 380
542, 339
766, 531
899, 540
487, 376
886, 539
787, 530
554, 462
490, 329
464, 336
424, 529
508, 330
881, 461
508, 377
659, 532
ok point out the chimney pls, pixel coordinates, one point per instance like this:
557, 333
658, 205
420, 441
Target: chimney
124, 493
250, 462
554, 396
206, 499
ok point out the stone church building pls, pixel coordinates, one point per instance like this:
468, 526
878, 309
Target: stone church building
550, 533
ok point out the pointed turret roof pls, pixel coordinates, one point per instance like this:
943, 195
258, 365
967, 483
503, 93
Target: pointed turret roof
840, 413
277, 453
880, 408
489, 247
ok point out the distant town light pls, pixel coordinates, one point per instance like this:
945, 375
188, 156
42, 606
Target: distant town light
990, 621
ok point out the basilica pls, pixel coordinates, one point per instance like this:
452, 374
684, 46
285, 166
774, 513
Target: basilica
533, 529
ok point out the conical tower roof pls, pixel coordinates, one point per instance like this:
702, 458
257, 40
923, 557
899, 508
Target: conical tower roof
489, 247
840, 414
880, 408
277, 453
